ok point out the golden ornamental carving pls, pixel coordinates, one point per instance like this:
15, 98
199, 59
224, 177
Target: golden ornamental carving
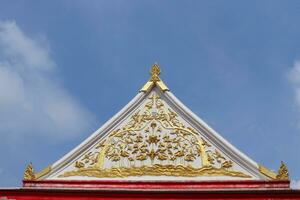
29, 172
154, 80
154, 142
283, 173
155, 72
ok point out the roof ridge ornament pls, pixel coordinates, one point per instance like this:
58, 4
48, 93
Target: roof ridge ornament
29, 172
155, 72
154, 80
283, 173
30, 175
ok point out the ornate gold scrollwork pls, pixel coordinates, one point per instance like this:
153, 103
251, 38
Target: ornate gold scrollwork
154, 142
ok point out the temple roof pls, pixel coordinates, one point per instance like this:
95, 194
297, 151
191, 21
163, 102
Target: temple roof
155, 137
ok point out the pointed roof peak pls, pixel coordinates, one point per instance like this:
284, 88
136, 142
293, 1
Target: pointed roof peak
155, 137
154, 80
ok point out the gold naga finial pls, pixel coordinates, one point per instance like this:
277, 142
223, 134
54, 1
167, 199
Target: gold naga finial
283, 173
29, 172
154, 80
155, 72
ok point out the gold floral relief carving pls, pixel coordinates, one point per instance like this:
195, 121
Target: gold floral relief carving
154, 142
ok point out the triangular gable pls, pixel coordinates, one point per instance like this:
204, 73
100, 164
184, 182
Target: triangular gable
155, 137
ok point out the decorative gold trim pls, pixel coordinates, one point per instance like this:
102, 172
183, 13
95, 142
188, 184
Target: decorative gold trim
162, 86
147, 86
154, 80
267, 172
283, 173
155, 170
29, 172
43, 172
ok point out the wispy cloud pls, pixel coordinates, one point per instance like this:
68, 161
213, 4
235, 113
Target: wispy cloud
32, 101
294, 78
295, 184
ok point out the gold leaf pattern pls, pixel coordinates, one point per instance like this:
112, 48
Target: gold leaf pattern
154, 142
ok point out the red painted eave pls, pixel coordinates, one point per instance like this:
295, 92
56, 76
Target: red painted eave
97, 194
155, 185
125, 189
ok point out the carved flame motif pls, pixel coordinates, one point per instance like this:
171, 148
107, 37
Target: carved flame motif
283, 173
29, 172
155, 143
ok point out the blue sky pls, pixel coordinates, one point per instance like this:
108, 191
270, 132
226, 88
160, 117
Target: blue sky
68, 66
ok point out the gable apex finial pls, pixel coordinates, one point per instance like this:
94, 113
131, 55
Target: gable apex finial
155, 72
154, 80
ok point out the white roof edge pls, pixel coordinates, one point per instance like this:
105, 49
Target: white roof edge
110, 123
216, 136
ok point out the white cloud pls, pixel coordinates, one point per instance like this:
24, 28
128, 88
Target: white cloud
294, 77
295, 184
32, 101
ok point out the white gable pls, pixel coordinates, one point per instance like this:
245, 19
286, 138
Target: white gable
155, 137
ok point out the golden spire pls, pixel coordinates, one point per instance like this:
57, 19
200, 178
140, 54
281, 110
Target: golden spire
283, 173
155, 72
154, 80
29, 172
